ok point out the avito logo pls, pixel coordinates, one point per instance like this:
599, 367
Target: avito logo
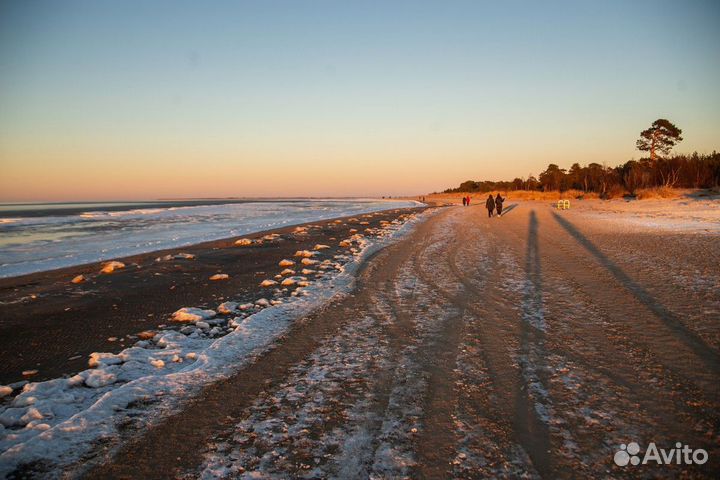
680, 455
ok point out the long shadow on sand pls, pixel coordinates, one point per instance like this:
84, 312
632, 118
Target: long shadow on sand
508, 209
671, 321
531, 395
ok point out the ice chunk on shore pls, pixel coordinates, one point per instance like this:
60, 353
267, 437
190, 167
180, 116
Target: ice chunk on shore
243, 242
5, 391
103, 358
288, 282
192, 314
220, 276
78, 279
305, 253
157, 363
308, 261
109, 267
320, 246
146, 335
100, 378
227, 308
286, 263
268, 283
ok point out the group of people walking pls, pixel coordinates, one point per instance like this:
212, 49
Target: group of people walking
494, 204
491, 204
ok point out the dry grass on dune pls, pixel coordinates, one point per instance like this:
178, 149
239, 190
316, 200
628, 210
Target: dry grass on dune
475, 197
614, 192
657, 192
553, 195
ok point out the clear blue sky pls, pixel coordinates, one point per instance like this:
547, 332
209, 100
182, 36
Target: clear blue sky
140, 99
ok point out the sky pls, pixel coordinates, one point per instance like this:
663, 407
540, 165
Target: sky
130, 100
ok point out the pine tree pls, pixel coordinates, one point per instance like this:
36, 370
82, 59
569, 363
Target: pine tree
660, 137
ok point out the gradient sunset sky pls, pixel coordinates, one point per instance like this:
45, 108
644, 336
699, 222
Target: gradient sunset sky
126, 100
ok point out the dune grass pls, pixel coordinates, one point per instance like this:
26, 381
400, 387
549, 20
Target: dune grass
658, 192
667, 193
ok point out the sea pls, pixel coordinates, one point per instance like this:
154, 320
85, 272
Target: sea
39, 237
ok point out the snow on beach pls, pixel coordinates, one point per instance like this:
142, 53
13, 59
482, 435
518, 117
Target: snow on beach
685, 214
338, 385
36, 243
56, 422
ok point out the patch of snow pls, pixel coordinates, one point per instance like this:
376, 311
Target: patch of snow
192, 314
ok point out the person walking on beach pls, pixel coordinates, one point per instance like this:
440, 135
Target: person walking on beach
490, 205
498, 203
464, 201
468, 200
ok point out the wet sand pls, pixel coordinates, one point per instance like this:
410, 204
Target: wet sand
51, 325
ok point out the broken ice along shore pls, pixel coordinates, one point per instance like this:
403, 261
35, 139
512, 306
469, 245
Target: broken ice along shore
57, 422
35, 243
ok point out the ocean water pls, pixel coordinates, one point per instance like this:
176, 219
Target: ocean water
36, 238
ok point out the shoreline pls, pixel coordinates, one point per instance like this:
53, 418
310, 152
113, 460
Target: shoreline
51, 325
76, 208
38, 244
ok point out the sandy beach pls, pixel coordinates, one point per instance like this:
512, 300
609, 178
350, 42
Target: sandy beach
531, 344
339, 240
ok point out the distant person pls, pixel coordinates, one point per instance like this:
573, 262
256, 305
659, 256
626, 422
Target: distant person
464, 201
490, 205
498, 203
468, 200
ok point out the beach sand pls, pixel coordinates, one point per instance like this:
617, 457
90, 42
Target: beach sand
531, 345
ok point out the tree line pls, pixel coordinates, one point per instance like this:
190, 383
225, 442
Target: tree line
658, 170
